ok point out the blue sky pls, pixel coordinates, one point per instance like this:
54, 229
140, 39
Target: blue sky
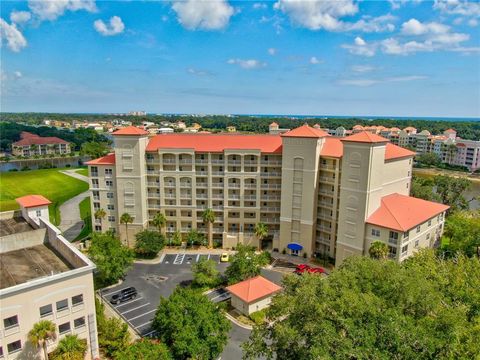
397, 58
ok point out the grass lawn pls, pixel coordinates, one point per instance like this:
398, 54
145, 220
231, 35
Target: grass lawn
82, 171
51, 183
86, 216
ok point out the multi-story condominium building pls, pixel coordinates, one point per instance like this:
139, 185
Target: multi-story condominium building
32, 144
317, 193
42, 277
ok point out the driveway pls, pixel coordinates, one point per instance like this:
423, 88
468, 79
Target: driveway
153, 281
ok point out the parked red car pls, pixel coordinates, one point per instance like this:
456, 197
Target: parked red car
302, 267
306, 268
317, 270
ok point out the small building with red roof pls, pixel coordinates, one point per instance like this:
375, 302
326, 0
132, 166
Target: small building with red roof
33, 144
34, 207
253, 294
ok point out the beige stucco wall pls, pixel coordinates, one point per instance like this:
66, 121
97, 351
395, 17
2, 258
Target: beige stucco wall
103, 199
246, 308
22, 240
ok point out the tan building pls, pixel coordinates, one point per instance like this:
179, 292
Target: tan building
315, 192
32, 144
43, 277
253, 294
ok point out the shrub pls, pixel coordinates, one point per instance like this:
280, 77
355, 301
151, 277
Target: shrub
258, 317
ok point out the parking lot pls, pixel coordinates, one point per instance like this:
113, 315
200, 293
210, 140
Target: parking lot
154, 281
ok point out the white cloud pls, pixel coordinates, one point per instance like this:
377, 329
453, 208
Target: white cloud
314, 60
370, 82
17, 74
257, 6
415, 27
203, 14
198, 72
247, 64
458, 7
272, 51
361, 47
362, 68
322, 14
114, 27
12, 36
472, 22
51, 10
20, 17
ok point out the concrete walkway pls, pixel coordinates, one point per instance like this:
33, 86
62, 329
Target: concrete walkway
72, 223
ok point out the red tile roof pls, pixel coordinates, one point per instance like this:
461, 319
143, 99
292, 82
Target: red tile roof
28, 201
358, 127
253, 289
306, 132
25, 134
393, 151
332, 147
32, 139
402, 213
216, 142
104, 160
450, 131
273, 124
130, 130
365, 137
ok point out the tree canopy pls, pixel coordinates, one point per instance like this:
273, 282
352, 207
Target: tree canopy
245, 264
111, 257
191, 325
94, 149
144, 350
71, 347
423, 308
149, 243
113, 335
462, 233
205, 273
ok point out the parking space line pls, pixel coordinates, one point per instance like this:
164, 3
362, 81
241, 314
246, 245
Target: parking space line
150, 333
179, 259
139, 316
128, 302
139, 326
208, 257
162, 258
198, 257
113, 291
138, 307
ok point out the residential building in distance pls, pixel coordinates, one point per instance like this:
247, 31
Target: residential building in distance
43, 277
137, 113
32, 144
316, 193
274, 129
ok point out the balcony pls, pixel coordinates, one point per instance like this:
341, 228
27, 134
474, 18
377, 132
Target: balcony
201, 161
201, 207
328, 180
250, 162
169, 185
271, 162
185, 195
233, 196
185, 162
184, 184
151, 183
218, 161
217, 185
153, 206
271, 174
217, 196
393, 241
201, 185
234, 162
203, 173
325, 204
250, 186
270, 209
325, 216
169, 161
270, 197
324, 228
218, 173
170, 196
93, 174
271, 186
201, 196
234, 185
153, 195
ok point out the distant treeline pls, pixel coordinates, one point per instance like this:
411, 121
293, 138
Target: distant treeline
10, 132
465, 129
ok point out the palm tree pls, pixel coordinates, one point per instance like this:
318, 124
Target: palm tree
159, 221
208, 217
100, 214
126, 219
378, 250
70, 348
261, 230
42, 332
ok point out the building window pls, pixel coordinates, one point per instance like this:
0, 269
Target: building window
38, 212
375, 232
95, 183
46, 310
10, 322
96, 206
404, 249
111, 218
1, 352
109, 183
416, 243
78, 323
98, 228
108, 172
64, 328
429, 222
62, 304
110, 207
77, 300
14, 346
93, 171
109, 195
428, 236
418, 228
405, 234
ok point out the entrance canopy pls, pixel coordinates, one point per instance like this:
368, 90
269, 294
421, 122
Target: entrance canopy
295, 246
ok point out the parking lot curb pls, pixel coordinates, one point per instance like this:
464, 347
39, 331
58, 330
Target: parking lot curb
110, 312
236, 322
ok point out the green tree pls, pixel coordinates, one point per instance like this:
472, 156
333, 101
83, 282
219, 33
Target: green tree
176, 238
429, 159
195, 238
191, 325
160, 221
378, 250
144, 350
149, 243
423, 308
126, 219
462, 233
111, 257
451, 190
70, 348
261, 231
208, 217
42, 332
100, 214
205, 273
113, 335
245, 264
94, 149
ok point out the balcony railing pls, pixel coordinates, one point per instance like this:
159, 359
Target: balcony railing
250, 186
234, 185
271, 186
185, 184
201, 185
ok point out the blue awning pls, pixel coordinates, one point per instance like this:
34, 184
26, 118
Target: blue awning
295, 246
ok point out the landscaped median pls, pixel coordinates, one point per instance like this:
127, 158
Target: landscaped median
51, 183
